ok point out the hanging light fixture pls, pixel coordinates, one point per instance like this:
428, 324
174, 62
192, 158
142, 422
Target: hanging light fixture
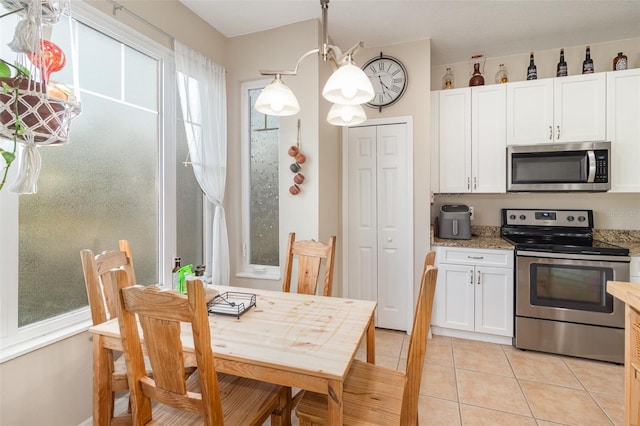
346, 115
348, 87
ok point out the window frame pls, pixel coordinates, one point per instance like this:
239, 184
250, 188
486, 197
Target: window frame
248, 270
16, 341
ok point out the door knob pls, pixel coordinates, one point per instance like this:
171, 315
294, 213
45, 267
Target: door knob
389, 239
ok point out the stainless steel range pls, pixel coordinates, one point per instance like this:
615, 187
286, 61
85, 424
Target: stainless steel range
561, 275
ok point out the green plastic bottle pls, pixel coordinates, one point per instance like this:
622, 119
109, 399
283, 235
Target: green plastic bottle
181, 287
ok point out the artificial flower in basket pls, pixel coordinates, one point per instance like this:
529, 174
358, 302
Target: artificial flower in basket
33, 109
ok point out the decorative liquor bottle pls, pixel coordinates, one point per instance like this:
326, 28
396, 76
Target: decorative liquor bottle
532, 71
448, 80
476, 79
620, 62
562, 66
587, 64
502, 76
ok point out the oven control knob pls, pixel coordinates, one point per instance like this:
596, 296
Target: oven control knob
512, 217
570, 218
522, 217
581, 218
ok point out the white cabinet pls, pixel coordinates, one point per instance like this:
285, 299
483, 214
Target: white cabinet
635, 270
472, 139
623, 129
557, 110
474, 291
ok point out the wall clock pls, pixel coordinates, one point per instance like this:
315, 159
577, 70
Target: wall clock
389, 79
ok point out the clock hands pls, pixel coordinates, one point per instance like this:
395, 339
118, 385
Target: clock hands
385, 89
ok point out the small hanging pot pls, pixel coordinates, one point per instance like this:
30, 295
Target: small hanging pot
301, 158
294, 189
293, 151
298, 178
294, 167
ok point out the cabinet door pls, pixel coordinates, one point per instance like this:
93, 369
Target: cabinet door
580, 108
530, 112
623, 129
455, 140
635, 270
488, 138
494, 301
454, 297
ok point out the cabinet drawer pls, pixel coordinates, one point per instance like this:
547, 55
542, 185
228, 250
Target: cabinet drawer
476, 257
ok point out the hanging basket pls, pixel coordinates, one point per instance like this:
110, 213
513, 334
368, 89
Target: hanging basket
47, 119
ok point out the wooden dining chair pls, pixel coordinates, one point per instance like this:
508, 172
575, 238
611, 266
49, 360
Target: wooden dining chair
205, 397
103, 300
309, 254
375, 395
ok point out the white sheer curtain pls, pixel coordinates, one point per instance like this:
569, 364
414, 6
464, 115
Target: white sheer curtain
202, 88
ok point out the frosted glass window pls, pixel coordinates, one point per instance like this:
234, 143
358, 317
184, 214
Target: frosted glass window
264, 199
140, 81
99, 188
99, 62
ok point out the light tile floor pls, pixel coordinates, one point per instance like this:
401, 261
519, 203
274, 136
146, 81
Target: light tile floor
465, 382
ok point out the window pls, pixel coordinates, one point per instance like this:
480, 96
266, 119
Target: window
260, 206
116, 179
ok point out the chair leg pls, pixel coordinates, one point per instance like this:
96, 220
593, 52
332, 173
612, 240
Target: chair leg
282, 415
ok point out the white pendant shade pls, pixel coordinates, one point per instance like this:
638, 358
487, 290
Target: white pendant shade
277, 99
348, 85
346, 115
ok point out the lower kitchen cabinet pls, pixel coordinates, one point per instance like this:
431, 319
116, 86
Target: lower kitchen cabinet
474, 293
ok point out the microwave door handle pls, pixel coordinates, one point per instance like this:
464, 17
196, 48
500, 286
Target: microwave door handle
591, 166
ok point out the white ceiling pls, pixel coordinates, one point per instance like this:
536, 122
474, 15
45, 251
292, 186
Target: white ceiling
457, 29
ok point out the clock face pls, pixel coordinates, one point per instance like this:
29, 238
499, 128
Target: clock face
389, 79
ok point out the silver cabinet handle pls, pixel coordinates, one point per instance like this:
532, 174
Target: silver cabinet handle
479, 278
550, 132
475, 182
468, 182
475, 257
558, 133
471, 277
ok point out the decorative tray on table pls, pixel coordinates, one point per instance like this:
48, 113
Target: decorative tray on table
231, 303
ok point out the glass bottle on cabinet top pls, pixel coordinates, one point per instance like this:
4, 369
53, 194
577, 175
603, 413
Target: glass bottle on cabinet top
476, 79
587, 64
448, 80
502, 76
620, 62
532, 71
562, 66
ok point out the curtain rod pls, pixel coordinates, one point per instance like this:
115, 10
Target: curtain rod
118, 7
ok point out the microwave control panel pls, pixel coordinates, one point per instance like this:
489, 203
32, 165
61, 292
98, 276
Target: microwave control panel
602, 172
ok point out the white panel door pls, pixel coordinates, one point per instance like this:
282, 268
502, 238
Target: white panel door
362, 232
455, 140
393, 261
379, 267
455, 297
488, 138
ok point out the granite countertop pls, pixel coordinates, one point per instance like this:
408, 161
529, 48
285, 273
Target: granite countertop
489, 237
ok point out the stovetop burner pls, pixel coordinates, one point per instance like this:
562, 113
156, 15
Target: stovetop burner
555, 231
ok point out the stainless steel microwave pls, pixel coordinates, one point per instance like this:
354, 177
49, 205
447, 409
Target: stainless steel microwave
561, 167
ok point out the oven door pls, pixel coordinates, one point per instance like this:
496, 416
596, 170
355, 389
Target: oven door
570, 287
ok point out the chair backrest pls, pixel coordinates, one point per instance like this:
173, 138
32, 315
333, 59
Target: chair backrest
100, 282
429, 260
160, 313
418, 345
309, 254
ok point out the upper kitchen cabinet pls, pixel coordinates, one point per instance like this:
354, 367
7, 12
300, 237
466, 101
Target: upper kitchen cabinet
472, 139
623, 129
556, 110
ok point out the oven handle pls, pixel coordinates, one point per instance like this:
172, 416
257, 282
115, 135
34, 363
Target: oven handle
590, 257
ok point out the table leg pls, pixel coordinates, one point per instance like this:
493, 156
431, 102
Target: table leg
102, 395
334, 400
371, 341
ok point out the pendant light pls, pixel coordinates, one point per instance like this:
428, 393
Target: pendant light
277, 99
348, 86
346, 115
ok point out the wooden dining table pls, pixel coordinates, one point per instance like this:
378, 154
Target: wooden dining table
290, 339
